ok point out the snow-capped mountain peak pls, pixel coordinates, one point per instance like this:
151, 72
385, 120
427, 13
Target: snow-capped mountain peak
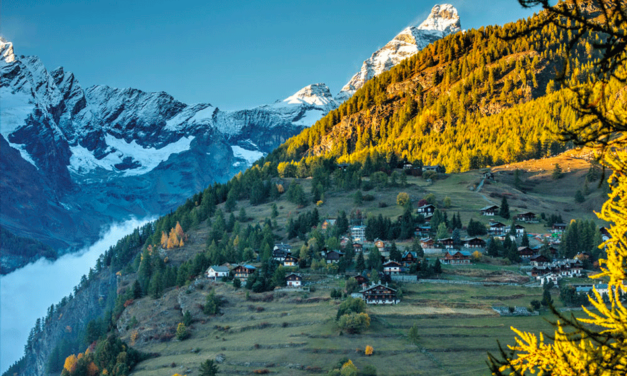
443, 18
6, 51
442, 21
316, 94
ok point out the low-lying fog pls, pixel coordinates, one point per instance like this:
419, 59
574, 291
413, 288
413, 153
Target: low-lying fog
27, 293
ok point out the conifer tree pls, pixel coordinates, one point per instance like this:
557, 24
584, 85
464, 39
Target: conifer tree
504, 210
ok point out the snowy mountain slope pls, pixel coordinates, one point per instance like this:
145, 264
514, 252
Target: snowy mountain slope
442, 21
103, 154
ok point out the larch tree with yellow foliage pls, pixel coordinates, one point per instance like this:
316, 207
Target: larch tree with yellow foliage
596, 345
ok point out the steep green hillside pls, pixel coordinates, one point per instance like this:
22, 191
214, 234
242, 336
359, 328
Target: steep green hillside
467, 101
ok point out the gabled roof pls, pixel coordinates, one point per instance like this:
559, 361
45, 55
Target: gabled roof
496, 224
295, 275
389, 263
426, 206
377, 285
221, 269
489, 207
246, 266
463, 253
414, 254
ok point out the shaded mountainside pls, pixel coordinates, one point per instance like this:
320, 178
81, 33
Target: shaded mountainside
470, 100
105, 154
75, 159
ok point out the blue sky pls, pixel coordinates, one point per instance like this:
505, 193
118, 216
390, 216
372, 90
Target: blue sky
232, 54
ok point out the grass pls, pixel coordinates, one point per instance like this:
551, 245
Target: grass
295, 333
295, 336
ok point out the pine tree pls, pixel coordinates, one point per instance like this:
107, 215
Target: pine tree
504, 211
208, 368
360, 265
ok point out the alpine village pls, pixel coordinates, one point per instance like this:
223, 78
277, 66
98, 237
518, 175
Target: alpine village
445, 219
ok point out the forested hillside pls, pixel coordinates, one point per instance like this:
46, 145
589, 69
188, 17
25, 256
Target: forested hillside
470, 100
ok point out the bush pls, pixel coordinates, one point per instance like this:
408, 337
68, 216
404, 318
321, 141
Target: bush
351, 305
402, 199
368, 370
354, 322
430, 175
182, 332
369, 350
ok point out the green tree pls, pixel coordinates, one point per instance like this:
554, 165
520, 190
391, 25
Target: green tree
579, 197
358, 198
504, 210
360, 265
413, 334
187, 318
442, 231
208, 368
182, 332
557, 172
447, 202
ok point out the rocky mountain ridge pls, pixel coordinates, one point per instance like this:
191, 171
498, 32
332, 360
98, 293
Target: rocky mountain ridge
76, 159
87, 157
442, 21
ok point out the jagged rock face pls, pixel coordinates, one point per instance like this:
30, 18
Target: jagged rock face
442, 21
102, 154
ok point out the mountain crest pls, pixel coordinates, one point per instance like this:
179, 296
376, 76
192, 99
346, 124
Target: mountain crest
442, 21
6, 51
315, 94
444, 18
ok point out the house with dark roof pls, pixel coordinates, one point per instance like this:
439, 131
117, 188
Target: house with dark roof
426, 209
294, 280
474, 243
243, 271
497, 228
409, 257
528, 217
380, 294
392, 268
333, 257
490, 210
456, 258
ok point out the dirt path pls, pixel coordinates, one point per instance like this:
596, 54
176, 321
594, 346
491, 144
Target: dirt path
478, 190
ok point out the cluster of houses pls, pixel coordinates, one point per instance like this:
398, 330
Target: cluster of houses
547, 271
281, 253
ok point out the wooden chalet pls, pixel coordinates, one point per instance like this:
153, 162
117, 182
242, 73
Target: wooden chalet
558, 228
409, 258
539, 260
391, 268
358, 247
528, 217
426, 209
490, 210
281, 251
379, 294
497, 228
361, 280
520, 230
333, 257
526, 252
436, 168
290, 261
448, 243
474, 243
422, 231
294, 280
243, 271
456, 258
427, 243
